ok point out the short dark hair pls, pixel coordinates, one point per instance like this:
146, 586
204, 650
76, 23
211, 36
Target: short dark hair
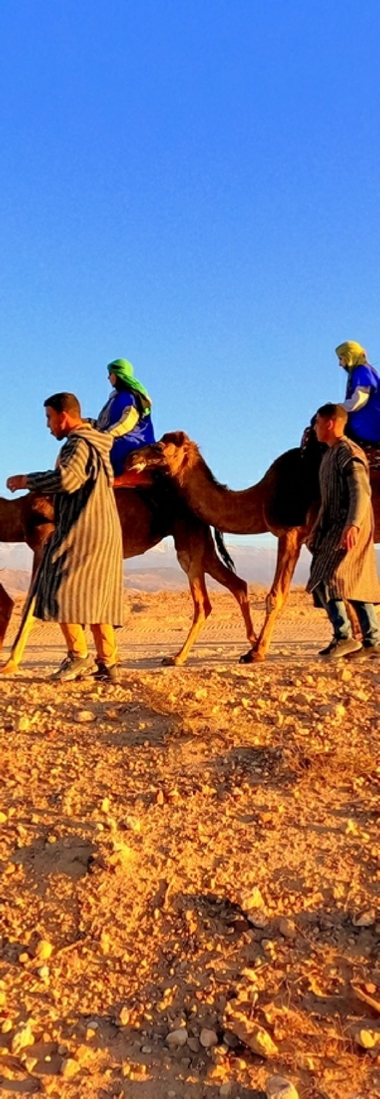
64, 402
331, 411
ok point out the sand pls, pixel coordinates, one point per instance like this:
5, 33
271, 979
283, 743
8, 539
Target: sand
195, 850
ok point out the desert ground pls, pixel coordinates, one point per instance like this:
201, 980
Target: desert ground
190, 866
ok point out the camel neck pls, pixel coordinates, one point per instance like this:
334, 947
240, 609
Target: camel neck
235, 512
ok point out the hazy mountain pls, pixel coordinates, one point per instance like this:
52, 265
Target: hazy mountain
158, 568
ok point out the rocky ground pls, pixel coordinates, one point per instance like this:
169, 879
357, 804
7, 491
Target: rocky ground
190, 868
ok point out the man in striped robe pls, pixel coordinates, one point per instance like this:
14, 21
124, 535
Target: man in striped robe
344, 563
80, 579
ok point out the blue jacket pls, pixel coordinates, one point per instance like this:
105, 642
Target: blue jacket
365, 423
115, 414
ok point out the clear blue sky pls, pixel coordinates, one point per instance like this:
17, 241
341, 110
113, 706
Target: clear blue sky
193, 185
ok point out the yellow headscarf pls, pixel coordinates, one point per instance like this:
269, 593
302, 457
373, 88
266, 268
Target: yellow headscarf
353, 352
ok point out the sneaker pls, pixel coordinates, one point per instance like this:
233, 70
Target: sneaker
367, 652
343, 647
329, 648
74, 667
108, 672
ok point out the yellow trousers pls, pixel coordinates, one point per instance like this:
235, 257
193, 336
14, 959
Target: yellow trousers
104, 638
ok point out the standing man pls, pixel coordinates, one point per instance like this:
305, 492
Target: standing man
80, 579
344, 563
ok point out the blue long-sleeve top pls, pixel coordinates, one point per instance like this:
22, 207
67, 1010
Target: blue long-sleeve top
121, 418
365, 422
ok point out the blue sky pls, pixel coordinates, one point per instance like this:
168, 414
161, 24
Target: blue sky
193, 186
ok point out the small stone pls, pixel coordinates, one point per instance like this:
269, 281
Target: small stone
258, 918
277, 1087
3, 818
193, 1044
69, 1068
366, 1038
43, 950
21, 1038
23, 724
230, 1039
30, 1063
366, 919
177, 1037
105, 942
225, 1091
287, 928
208, 1038
84, 717
123, 1017
252, 900
146, 1049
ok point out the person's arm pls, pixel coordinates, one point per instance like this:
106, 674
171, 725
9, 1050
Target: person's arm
359, 398
127, 421
359, 497
71, 473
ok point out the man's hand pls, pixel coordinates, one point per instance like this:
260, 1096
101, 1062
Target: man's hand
17, 482
349, 538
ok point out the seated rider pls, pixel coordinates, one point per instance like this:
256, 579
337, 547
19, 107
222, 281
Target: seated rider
362, 393
126, 416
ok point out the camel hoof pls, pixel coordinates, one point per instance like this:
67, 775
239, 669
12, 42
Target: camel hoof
9, 669
253, 656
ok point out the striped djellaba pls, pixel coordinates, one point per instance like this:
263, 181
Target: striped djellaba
345, 501
80, 579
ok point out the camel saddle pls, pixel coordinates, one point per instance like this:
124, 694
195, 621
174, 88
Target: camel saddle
371, 450
132, 479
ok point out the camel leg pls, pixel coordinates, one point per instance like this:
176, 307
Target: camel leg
289, 548
14, 660
202, 605
238, 588
196, 555
6, 608
27, 621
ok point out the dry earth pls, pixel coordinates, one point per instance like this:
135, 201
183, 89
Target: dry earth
193, 853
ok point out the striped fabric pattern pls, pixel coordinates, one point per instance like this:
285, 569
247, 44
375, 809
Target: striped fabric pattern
80, 579
345, 500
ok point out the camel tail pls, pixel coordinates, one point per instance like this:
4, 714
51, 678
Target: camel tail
223, 551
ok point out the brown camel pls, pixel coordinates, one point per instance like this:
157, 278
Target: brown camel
146, 516
285, 503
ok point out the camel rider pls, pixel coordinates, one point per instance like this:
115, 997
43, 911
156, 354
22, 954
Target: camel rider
126, 416
362, 393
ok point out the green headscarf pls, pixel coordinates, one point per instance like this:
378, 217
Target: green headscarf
353, 352
124, 370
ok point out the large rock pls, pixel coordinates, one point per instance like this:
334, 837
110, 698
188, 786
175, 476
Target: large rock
249, 1031
177, 1038
208, 1038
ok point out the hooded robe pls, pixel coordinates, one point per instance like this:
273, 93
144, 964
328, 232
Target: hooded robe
80, 579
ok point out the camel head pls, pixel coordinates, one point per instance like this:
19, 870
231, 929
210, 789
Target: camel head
170, 454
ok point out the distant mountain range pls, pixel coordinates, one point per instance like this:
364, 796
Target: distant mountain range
158, 568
